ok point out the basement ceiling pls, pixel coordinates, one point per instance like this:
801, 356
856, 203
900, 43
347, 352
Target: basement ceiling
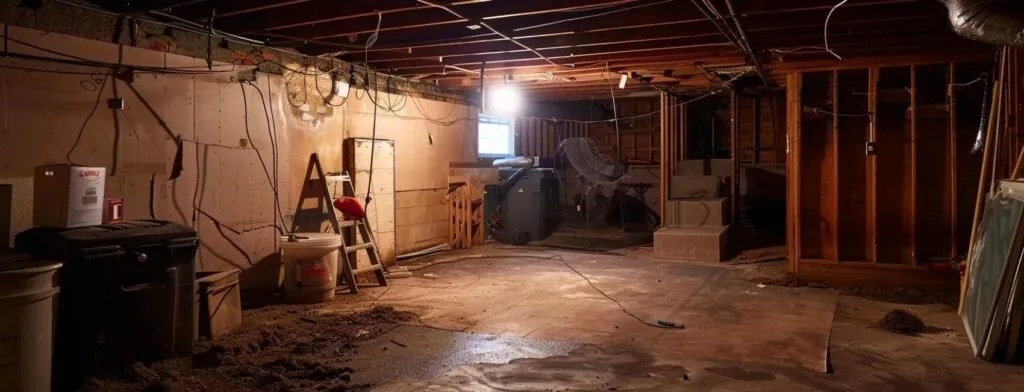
563, 49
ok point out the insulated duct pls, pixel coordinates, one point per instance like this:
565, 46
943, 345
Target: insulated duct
999, 22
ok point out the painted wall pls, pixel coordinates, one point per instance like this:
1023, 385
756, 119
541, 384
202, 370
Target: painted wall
223, 188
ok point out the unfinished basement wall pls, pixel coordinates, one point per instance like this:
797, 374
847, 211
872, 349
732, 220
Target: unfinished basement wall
222, 189
882, 178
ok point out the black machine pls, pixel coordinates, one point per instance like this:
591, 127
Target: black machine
526, 205
127, 293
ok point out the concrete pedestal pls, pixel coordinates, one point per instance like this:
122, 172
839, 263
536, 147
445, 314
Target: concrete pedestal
692, 243
697, 213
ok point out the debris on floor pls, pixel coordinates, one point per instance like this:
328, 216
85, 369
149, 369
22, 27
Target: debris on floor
760, 255
907, 296
277, 349
787, 280
902, 321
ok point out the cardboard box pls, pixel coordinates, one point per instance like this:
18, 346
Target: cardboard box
68, 196
218, 303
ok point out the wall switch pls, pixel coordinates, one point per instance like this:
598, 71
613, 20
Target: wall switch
869, 148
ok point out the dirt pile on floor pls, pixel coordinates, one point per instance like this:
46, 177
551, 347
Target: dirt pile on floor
277, 349
787, 280
901, 321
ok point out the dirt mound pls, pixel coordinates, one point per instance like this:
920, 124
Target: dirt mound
787, 280
277, 349
901, 321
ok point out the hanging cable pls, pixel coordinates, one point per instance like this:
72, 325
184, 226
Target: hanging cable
270, 179
92, 112
827, 19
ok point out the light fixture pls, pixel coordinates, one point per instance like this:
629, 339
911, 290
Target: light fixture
505, 100
622, 81
473, 27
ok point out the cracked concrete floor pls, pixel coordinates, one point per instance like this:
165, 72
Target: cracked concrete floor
518, 320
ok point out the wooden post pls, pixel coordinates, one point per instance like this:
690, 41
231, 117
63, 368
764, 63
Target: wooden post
665, 154
734, 125
913, 165
951, 108
757, 129
793, 118
872, 160
836, 230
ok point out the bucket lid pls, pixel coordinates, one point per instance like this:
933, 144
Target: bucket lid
28, 266
312, 240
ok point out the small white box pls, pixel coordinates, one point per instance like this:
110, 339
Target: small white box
68, 196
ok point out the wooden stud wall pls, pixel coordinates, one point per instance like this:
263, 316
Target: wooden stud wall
539, 134
536, 137
902, 206
762, 131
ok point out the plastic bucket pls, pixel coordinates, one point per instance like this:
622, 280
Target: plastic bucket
26, 328
310, 262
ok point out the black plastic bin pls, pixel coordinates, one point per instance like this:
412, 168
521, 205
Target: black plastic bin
127, 294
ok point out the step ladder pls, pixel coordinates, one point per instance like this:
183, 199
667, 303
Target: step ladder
312, 220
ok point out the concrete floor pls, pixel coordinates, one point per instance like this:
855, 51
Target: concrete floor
521, 320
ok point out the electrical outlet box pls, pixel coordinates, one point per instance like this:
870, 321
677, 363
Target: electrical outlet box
115, 103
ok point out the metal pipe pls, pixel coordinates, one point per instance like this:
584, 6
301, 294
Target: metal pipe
749, 49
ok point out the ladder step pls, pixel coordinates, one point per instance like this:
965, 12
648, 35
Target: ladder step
349, 223
353, 248
367, 269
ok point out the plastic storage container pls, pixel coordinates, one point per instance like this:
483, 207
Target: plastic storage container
310, 262
127, 294
27, 289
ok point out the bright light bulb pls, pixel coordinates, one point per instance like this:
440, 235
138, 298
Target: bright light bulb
505, 100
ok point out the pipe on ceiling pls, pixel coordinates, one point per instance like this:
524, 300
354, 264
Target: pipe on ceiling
999, 22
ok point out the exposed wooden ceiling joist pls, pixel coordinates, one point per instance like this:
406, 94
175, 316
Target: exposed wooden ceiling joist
583, 37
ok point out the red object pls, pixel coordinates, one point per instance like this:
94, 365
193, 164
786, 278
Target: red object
351, 207
113, 211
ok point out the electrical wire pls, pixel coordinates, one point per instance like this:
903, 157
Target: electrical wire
270, 180
817, 110
827, 19
981, 78
92, 112
274, 142
567, 20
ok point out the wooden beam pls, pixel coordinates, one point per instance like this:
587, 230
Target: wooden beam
757, 129
734, 125
666, 154
872, 160
835, 167
793, 117
951, 107
913, 165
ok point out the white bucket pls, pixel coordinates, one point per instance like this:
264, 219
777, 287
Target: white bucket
27, 290
310, 263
